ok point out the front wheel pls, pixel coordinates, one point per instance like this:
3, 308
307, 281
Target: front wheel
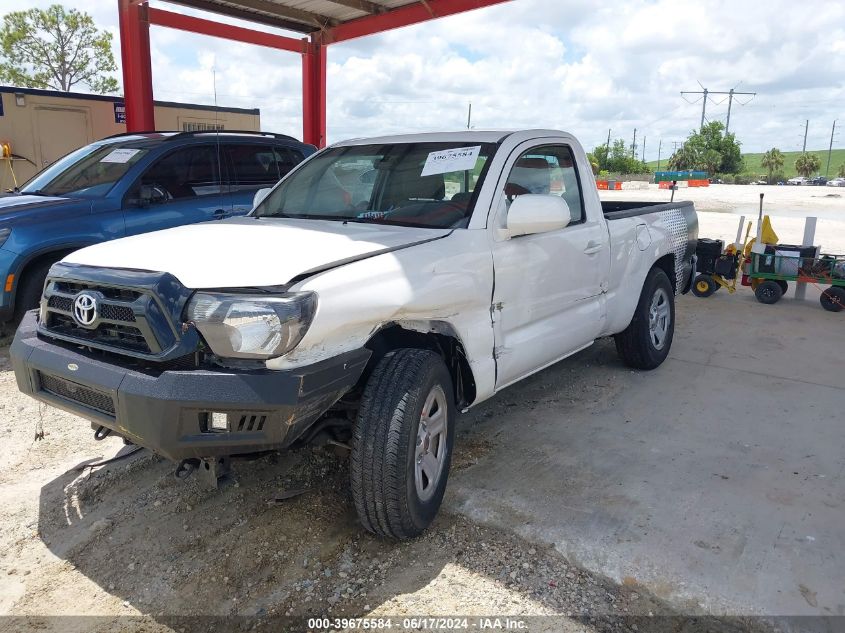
769, 292
646, 342
833, 299
704, 286
402, 444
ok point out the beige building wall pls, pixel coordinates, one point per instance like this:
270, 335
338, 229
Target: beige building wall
41, 126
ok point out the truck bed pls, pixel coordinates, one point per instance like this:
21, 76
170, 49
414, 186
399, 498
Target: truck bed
618, 209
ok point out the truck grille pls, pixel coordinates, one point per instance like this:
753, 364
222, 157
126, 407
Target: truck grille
111, 334
128, 313
69, 390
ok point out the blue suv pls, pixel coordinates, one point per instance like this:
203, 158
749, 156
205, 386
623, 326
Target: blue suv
128, 184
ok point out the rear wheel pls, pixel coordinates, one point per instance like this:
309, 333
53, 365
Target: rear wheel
769, 292
645, 343
833, 299
402, 444
783, 285
704, 286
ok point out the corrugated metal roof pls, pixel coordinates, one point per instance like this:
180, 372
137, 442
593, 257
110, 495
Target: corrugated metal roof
304, 16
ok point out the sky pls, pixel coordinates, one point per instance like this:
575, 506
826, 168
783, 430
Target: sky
575, 65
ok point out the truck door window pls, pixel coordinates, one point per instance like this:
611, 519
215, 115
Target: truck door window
287, 159
548, 170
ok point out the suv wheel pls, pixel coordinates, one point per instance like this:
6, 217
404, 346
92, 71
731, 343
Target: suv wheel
402, 444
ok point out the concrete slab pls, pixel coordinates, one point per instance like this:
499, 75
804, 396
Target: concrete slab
715, 481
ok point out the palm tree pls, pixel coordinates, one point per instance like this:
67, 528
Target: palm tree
773, 162
807, 164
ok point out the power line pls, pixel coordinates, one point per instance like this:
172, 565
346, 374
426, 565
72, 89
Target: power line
706, 94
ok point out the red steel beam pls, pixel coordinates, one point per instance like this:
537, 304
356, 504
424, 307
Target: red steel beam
314, 92
402, 16
160, 17
137, 73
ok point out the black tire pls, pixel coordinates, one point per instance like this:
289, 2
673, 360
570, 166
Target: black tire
635, 345
783, 285
769, 292
384, 461
29, 291
833, 299
704, 286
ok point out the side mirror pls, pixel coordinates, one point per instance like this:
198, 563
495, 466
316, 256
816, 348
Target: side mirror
260, 195
537, 213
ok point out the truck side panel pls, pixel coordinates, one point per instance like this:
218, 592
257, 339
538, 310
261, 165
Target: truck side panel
637, 242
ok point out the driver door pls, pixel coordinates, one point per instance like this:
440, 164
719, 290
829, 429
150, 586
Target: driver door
548, 300
188, 185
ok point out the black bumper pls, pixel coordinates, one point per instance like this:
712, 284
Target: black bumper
168, 412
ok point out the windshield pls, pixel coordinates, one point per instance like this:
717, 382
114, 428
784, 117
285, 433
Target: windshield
89, 172
431, 185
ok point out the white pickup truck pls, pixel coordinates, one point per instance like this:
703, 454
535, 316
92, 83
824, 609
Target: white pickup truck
383, 286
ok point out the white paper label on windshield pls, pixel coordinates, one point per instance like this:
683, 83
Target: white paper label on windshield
119, 156
449, 160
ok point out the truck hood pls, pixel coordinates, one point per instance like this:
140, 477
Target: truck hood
246, 252
15, 207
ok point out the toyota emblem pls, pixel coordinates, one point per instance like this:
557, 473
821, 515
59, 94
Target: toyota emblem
85, 309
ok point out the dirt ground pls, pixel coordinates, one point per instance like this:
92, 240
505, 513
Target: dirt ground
132, 548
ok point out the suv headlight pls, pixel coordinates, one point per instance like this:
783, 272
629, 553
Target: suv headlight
249, 326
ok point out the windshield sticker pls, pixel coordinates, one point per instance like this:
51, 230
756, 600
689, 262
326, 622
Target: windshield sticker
119, 156
450, 160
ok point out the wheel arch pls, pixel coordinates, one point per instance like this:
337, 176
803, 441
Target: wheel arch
436, 336
52, 254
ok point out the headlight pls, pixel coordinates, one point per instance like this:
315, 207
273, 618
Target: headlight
248, 326
4, 235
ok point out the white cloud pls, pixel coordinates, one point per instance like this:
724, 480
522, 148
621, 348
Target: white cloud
576, 65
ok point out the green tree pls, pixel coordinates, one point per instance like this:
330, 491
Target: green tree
619, 159
55, 48
772, 161
807, 164
684, 158
699, 151
842, 170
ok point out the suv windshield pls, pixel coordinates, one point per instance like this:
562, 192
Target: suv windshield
89, 172
432, 185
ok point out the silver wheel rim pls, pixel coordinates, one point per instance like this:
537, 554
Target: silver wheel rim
430, 453
659, 319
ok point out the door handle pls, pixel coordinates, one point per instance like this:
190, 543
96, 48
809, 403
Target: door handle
219, 214
593, 248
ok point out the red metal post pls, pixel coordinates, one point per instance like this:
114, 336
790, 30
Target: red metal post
137, 72
314, 91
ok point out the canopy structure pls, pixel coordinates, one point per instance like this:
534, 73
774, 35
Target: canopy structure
321, 22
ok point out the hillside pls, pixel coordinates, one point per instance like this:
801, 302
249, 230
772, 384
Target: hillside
753, 167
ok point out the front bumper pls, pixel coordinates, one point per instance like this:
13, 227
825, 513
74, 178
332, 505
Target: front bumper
168, 412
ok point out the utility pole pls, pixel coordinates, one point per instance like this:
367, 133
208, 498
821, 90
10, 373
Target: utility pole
608, 141
830, 150
659, 147
806, 128
634, 145
706, 93
644, 139
469, 116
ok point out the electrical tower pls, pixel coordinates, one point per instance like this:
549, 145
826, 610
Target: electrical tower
706, 94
